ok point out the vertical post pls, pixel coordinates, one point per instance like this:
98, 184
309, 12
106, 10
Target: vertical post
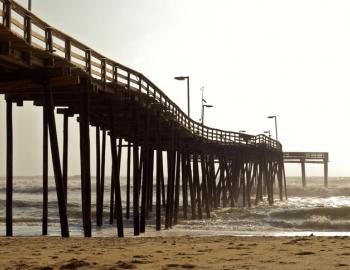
65, 154
204, 185
177, 187
98, 178
68, 52
150, 183
197, 184
192, 187
102, 186
49, 110
302, 161
158, 188
9, 168
128, 182
45, 174
6, 19
136, 213
85, 162
184, 185
116, 170
145, 178
325, 169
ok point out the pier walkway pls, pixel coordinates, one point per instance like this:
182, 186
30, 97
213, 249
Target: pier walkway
203, 168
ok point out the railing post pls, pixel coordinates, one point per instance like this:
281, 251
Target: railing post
27, 29
103, 72
48, 40
68, 50
140, 84
115, 74
6, 19
88, 61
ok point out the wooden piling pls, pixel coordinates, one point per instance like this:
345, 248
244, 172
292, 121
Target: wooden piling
184, 178
145, 176
45, 175
98, 178
128, 158
197, 185
158, 188
65, 155
102, 186
177, 187
85, 162
62, 207
9, 169
136, 176
302, 161
116, 170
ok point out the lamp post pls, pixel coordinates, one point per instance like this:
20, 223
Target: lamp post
204, 106
182, 78
29, 5
271, 117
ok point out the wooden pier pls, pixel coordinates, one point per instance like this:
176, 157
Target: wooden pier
207, 167
308, 157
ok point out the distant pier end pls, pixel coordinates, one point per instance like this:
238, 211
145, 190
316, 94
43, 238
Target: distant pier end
308, 157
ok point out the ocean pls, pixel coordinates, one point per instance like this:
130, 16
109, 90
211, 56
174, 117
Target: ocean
313, 210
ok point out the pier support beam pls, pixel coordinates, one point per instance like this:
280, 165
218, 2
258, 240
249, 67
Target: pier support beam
325, 169
65, 154
9, 168
98, 178
302, 161
62, 206
85, 162
45, 174
116, 176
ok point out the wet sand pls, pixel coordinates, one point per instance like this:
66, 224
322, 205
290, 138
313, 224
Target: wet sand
222, 252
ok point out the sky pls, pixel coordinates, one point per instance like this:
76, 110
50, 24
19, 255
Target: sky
253, 58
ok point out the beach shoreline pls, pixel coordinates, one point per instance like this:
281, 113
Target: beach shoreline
181, 252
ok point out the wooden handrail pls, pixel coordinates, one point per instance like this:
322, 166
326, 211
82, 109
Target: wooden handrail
121, 74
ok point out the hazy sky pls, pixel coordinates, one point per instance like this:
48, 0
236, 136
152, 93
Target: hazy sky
254, 58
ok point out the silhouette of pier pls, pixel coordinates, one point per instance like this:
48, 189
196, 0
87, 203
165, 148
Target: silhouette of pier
183, 161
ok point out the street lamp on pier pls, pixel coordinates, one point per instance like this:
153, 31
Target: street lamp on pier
182, 78
274, 117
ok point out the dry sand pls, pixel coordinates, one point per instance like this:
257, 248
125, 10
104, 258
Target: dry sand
175, 253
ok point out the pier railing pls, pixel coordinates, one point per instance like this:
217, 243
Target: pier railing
37, 33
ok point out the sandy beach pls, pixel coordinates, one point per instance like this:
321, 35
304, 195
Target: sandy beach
175, 253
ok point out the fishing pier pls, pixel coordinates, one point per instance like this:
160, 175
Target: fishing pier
166, 151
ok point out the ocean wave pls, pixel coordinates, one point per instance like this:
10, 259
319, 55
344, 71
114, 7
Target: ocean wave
328, 212
316, 191
38, 204
323, 223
